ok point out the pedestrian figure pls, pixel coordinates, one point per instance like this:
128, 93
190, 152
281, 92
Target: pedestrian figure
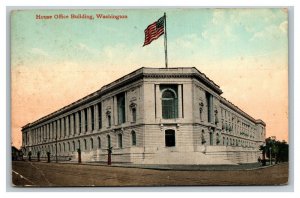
109, 150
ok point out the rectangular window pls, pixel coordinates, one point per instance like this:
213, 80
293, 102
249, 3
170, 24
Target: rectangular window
170, 138
120, 140
133, 114
93, 118
99, 116
80, 123
121, 108
69, 123
85, 120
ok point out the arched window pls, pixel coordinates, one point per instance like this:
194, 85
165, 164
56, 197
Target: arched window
133, 138
227, 142
169, 104
73, 146
85, 145
99, 142
92, 144
169, 138
64, 147
108, 141
69, 147
59, 147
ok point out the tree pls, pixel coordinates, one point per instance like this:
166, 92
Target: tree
279, 149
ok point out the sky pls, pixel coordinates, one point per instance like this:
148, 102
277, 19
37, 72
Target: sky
55, 62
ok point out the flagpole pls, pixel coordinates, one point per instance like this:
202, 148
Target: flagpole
166, 45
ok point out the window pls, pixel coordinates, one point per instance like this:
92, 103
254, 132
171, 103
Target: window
121, 108
59, 147
93, 118
99, 116
170, 138
65, 127
133, 111
120, 141
85, 145
85, 120
64, 147
133, 138
80, 121
203, 141
99, 142
169, 103
69, 122
69, 148
209, 102
108, 141
73, 146
108, 119
211, 138
74, 123
79, 146
92, 144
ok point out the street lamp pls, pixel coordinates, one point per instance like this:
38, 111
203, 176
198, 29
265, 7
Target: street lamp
270, 155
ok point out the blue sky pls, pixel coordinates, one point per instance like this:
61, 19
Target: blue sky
209, 33
56, 62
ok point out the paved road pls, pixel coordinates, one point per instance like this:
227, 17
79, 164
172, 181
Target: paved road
45, 174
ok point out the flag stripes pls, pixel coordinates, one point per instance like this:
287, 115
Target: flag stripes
154, 31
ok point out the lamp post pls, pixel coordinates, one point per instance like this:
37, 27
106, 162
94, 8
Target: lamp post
270, 155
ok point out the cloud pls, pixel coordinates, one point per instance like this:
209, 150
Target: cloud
283, 26
84, 47
39, 52
268, 33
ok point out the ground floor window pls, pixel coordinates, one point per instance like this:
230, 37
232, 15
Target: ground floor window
133, 138
108, 141
170, 138
120, 141
211, 138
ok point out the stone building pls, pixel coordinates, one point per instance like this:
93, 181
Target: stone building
150, 116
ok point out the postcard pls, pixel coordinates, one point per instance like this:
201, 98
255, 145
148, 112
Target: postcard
149, 97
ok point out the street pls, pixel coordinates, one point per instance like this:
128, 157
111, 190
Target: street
52, 174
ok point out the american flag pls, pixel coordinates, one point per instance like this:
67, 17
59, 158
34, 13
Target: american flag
154, 31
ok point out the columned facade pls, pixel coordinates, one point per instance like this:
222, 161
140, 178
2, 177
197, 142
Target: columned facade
150, 116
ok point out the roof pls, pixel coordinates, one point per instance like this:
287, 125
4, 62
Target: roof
143, 72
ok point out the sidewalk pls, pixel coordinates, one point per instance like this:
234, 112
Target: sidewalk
176, 167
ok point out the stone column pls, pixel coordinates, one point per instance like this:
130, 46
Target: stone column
54, 130
67, 129
126, 108
51, 130
180, 95
76, 131
158, 101
96, 116
71, 127
89, 121
58, 129
62, 128
82, 122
